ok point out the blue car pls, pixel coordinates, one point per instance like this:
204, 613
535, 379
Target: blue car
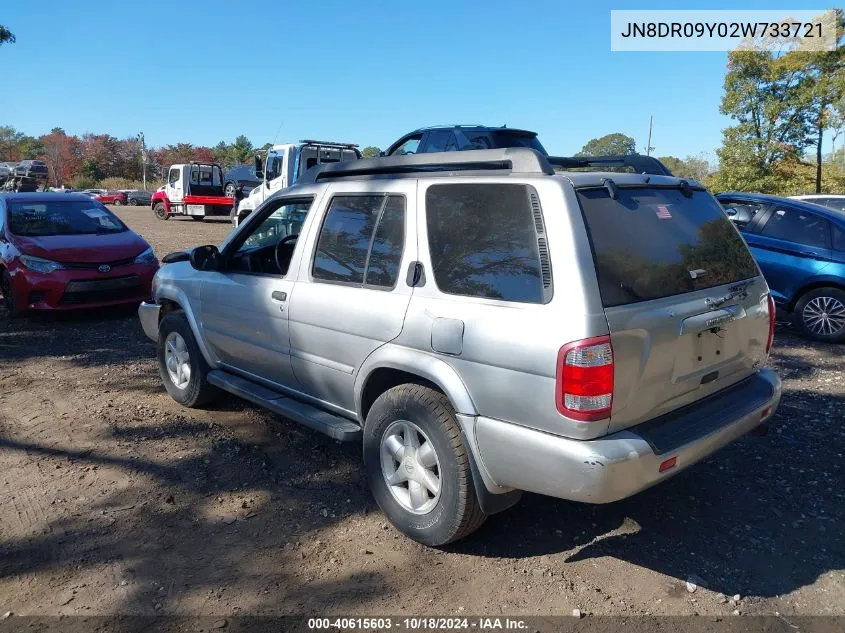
800, 247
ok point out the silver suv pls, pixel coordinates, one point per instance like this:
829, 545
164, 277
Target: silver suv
484, 325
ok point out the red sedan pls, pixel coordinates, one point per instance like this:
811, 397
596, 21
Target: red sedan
67, 251
111, 197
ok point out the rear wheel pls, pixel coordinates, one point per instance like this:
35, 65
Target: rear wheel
229, 190
418, 467
160, 211
118, 202
181, 364
820, 314
133, 202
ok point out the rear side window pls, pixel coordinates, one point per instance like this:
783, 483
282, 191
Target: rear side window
650, 243
797, 226
484, 243
362, 238
742, 213
838, 238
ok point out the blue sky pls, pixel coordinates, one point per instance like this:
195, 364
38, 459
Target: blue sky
364, 72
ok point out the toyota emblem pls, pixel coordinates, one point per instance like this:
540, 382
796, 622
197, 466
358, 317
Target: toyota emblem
104, 268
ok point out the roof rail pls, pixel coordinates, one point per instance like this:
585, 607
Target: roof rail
514, 159
328, 143
640, 164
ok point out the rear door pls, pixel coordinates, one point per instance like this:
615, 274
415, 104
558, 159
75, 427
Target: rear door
791, 246
686, 307
352, 293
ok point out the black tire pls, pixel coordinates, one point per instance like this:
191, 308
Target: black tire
160, 211
133, 202
198, 218
198, 391
118, 202
9, 299
229, 190
457, 512
813, 304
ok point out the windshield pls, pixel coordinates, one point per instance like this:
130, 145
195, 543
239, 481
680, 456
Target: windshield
650, 243
61, 217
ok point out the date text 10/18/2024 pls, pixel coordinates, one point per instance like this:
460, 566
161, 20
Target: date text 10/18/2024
417, 624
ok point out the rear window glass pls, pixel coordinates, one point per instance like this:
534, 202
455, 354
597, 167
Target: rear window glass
650, 243
483, 241
505, 139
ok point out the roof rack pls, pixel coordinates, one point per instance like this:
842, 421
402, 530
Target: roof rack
329, 143
640, 164
513, 159
520, 160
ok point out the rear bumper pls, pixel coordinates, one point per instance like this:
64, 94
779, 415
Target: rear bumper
148, 314
624, 463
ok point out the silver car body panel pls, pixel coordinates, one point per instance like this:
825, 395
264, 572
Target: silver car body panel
495, 360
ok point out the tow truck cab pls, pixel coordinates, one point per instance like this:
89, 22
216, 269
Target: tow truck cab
284, 164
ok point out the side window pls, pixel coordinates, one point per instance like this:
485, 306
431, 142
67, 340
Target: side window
353, 226
440, 141
410, 146
483, 241
797, 226
477, 140
285, 220
274, 166
388, 244
173, 178
741, 213
838, 238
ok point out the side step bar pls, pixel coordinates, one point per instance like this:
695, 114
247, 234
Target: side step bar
334, 426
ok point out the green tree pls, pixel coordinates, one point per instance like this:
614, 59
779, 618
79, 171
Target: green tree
91, 170
616, 144
10, 139
6, 36
241, 151
370, 152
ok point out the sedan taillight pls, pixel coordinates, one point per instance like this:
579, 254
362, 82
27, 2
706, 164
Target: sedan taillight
585, 379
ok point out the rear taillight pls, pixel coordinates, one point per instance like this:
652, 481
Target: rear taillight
585, 379
771, 324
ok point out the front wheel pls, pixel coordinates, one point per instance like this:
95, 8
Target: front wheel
181, 364
820, 315
160, 211
133, 202
9, 298
118, 202
418, 467
229, 190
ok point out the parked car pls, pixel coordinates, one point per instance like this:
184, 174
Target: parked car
800, 247
64, 251
31, 169
6, 169
831, 201
138, 197
240, 175
447, 138
480, 331
26, 175
116, 198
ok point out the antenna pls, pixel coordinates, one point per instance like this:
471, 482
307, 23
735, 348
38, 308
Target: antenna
648, 146
278, 129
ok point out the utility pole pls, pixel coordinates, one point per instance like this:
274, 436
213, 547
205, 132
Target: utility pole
143, 158
648, 146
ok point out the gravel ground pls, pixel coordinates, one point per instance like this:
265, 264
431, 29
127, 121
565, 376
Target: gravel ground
117, 500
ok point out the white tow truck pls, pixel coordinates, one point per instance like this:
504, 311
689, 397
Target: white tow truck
192, 189
283, 166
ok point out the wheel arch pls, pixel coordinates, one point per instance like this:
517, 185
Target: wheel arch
172, 299
822, 282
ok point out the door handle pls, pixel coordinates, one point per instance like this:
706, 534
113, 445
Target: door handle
808, 254
278, 295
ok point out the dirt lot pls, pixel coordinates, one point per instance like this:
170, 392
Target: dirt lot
117, 500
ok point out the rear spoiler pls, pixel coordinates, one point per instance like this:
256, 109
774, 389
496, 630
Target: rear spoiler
638, 163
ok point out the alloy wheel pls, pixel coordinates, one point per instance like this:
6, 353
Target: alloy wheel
824, 316
178, 360
410, 467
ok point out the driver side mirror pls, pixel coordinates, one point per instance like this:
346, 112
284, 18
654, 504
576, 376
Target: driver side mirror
259, 167
206, 258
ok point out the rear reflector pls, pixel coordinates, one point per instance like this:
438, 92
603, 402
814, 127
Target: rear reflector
669, 463
765, 413
771, 324
585, 379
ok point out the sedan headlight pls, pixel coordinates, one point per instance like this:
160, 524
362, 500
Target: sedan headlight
39, 265
147, 257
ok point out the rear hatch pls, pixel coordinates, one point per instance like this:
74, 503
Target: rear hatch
686, 307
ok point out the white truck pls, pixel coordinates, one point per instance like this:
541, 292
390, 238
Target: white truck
192, 189
284, 164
